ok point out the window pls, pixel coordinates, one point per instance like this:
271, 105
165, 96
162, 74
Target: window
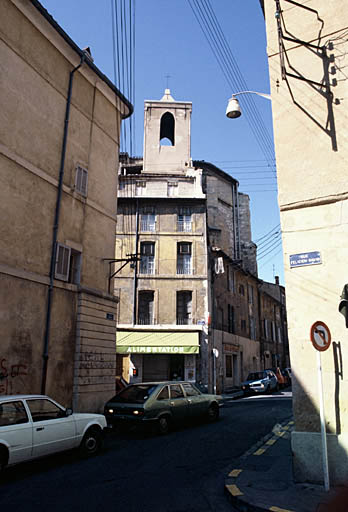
185, 220
280, 335
228, 362
273, 332
250, 294
265, 328
243, 325
12, 413
42, 410
184, 308
184, 265
147, 262
164, 394
145, 307
230, 279
231, 324
176, 391
172, 187
148, 220
167, 130
68, 264
140, 188
190, 390
252, 328
81, 180
241, 290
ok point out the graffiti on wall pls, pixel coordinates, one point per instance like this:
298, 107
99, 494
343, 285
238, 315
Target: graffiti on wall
11, 376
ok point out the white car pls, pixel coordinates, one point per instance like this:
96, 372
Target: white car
33, 426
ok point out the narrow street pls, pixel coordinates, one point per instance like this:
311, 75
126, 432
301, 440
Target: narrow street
181, 472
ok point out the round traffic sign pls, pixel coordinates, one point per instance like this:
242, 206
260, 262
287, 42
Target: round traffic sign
320, 336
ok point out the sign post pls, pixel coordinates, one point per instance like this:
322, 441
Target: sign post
321, 340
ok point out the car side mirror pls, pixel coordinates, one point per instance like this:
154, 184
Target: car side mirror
68, 411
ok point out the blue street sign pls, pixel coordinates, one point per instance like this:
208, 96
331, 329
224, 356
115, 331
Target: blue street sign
305, 258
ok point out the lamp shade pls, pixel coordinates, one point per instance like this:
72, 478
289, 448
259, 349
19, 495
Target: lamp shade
233, 108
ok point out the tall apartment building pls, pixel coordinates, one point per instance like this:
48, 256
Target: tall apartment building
186, 272
307, 47
59, 145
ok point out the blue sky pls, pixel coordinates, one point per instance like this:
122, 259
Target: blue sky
169, 41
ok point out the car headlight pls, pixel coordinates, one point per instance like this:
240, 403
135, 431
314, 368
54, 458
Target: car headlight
138, 413
243, 387
110, 411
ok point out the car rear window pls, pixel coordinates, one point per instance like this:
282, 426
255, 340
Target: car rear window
136, 394
256, 376
12, 413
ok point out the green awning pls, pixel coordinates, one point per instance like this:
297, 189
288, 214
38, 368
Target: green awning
144, 342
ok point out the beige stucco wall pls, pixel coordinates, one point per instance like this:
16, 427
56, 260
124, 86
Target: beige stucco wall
311, 152
35, 66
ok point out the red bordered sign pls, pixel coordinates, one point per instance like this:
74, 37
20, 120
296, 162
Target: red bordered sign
320, 336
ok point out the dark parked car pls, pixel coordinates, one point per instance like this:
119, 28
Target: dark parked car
264, 381
161, 404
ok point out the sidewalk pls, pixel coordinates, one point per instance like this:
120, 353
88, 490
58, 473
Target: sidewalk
262, 480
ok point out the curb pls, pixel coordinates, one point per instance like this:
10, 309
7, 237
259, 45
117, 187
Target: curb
238, 497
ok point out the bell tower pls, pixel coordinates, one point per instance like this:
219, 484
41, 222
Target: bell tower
167, 135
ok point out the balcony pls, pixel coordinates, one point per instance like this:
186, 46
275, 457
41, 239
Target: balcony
184, 226
146, 225
145, 319
184, 268
184, 320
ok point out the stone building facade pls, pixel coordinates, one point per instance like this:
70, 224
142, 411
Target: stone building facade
307, 48
59, 145
185, 262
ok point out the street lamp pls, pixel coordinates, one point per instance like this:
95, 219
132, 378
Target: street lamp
233, 108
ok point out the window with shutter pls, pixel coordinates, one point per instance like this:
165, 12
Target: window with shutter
81, 180
62, 262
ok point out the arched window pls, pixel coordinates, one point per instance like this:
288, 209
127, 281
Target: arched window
167, 130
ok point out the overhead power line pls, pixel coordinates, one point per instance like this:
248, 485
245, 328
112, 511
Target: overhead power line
219, 45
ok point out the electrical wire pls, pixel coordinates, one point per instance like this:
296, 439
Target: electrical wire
213, 33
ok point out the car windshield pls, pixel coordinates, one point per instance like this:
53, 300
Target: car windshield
136, 394
256, 376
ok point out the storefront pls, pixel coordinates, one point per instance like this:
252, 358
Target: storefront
156, 356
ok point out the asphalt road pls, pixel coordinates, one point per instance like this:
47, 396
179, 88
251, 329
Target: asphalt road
183, 471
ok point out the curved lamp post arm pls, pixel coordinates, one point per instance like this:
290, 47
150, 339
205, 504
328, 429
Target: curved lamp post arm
263, 94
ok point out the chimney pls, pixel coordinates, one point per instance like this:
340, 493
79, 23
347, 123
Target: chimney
276, 279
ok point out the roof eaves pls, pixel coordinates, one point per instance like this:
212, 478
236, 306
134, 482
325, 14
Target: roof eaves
81, 53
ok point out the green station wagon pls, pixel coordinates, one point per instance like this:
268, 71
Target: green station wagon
161, 404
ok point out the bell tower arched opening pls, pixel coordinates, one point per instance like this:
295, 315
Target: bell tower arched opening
167, 130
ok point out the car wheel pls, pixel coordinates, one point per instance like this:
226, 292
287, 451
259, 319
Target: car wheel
213, 412
91, 442
163, 425
3, 458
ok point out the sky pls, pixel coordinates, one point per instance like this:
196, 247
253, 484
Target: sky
171, 50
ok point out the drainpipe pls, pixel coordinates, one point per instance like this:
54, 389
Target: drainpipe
55, 231
135, 280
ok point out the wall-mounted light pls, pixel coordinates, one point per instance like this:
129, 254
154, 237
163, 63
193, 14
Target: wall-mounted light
233, 109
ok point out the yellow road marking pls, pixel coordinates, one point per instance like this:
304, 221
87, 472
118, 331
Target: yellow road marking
280, 434
260, 451
235, 472
234, 490
271, 441
277, 509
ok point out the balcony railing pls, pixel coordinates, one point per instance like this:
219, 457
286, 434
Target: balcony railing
183, 320
184, 268
144, 319
184, 226
147, 266
146, 225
